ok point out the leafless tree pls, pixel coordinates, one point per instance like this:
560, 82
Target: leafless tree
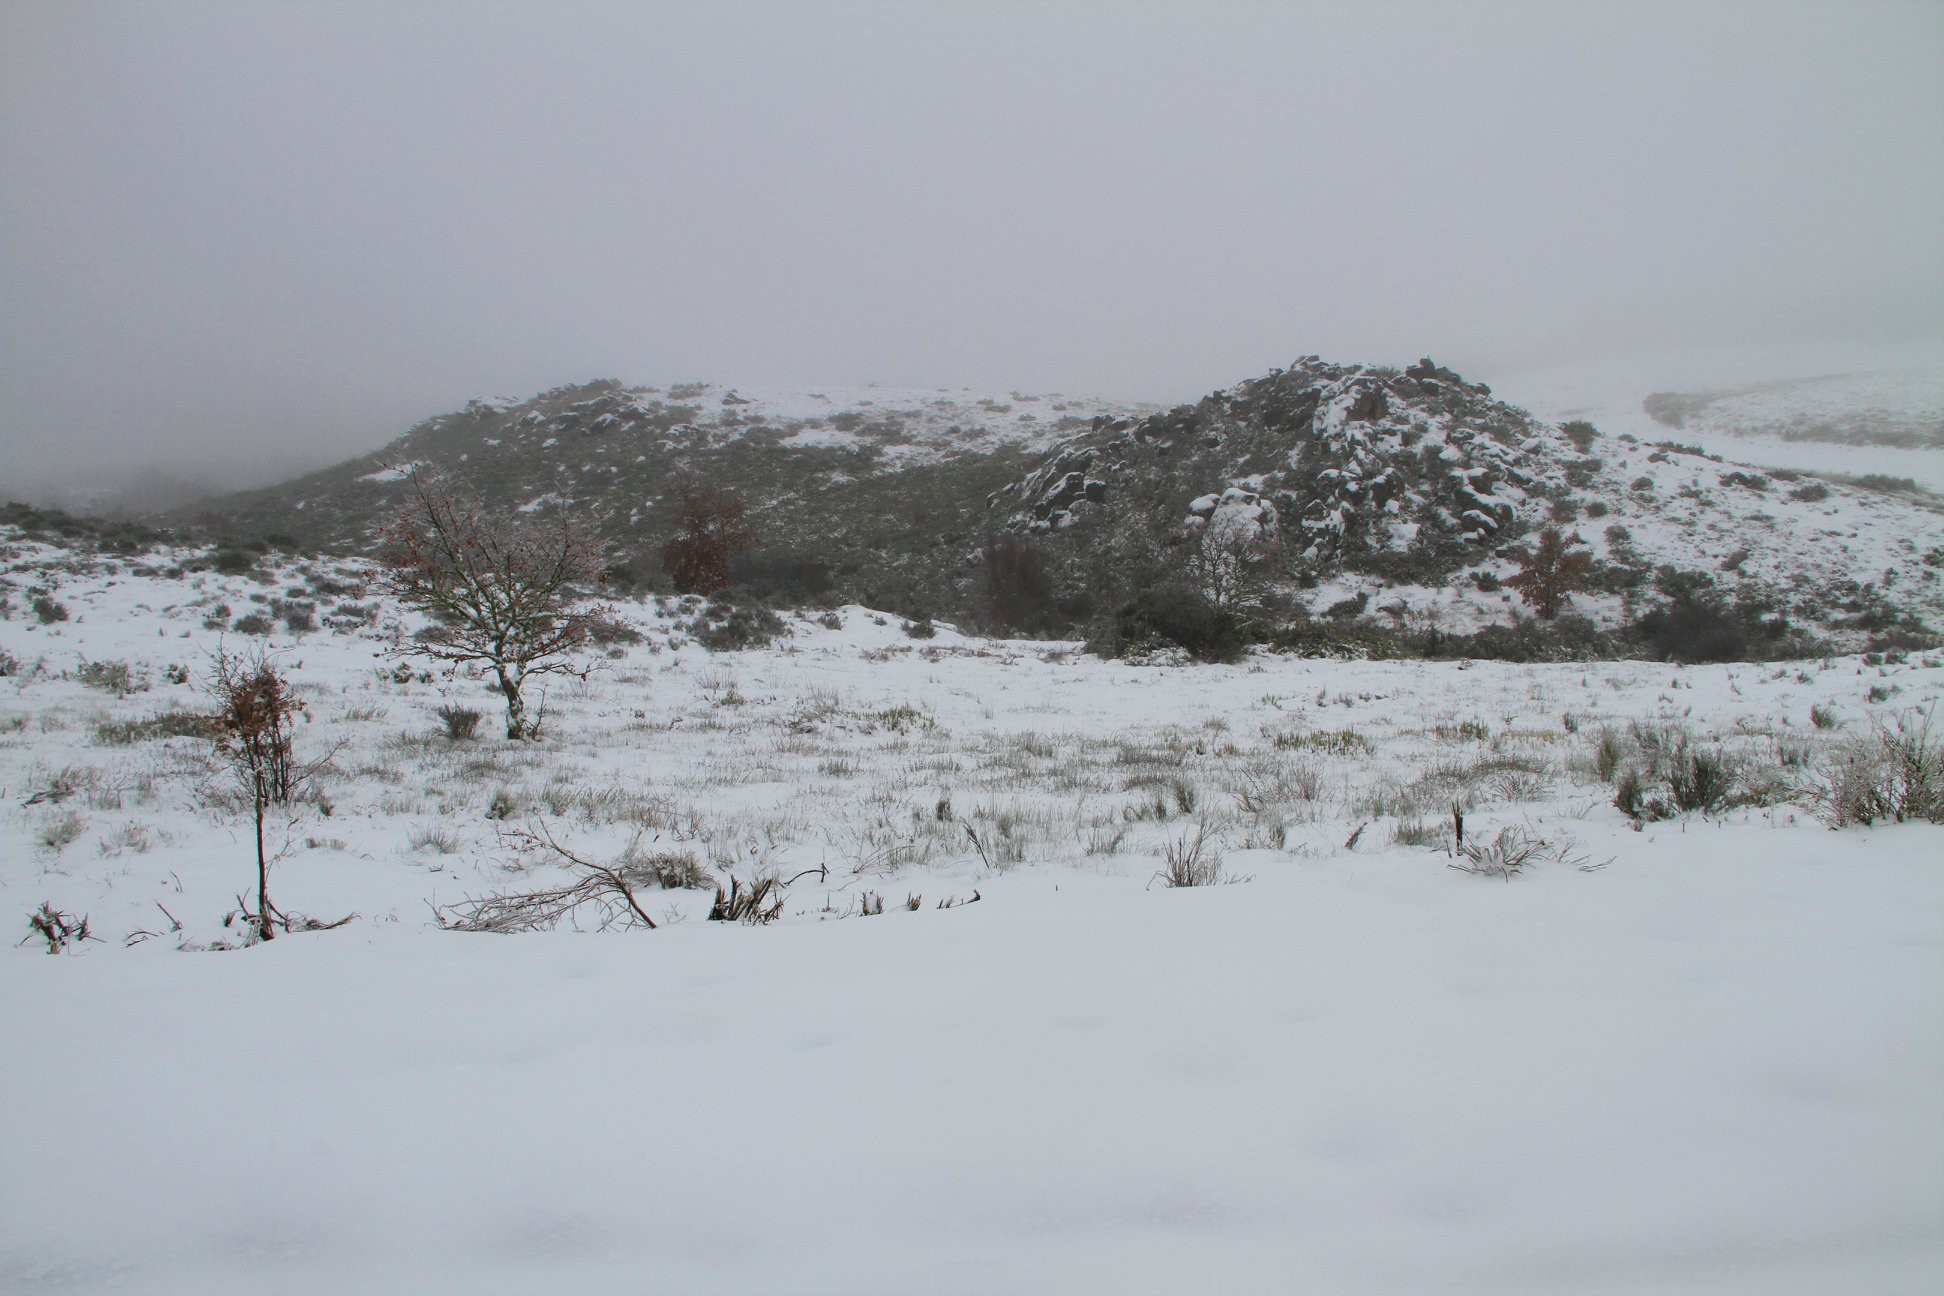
1230, 562
501, 589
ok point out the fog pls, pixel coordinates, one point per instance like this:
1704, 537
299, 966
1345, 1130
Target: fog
240, 239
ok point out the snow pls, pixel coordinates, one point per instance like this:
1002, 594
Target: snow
1706, 1061
1776, 386
394, 472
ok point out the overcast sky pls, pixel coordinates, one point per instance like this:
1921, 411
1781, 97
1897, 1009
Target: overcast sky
236, 236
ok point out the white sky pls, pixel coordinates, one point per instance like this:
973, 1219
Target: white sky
235, 237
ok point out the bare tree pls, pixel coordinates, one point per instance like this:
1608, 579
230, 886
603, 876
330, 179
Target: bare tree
1230, 561
500, 589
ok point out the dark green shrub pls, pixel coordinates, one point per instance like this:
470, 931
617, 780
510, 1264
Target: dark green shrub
1182, 618
1696, 623
1581, 433
726, 628
783, 581
1018, 581
233, 560
1358, 640
1344, 609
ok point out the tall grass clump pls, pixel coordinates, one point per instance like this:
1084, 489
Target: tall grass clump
1894, 772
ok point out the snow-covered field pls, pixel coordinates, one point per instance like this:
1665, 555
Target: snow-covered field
1703, 1054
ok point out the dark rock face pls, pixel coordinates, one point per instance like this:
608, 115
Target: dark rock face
1362, 465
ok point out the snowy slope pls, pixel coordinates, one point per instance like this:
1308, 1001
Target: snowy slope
617, 452
1773, 406
1697, 1056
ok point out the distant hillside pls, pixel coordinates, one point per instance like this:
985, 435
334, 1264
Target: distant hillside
1408, 487
1900, 408
866, 485
1416, 480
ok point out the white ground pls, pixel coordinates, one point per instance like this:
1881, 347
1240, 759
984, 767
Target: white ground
1712, 1065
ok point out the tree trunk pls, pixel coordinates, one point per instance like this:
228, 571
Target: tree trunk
516, 721
264, 930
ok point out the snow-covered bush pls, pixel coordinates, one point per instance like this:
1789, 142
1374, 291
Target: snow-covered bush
1894, 772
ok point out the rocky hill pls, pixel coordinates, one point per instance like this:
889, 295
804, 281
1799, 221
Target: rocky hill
1372, 488
1412, 486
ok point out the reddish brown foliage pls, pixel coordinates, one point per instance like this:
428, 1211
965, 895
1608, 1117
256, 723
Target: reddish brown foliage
1551, 571
712, 530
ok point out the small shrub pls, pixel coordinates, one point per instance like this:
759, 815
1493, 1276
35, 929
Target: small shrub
1813, 493
922, 628
756, 903
1581, 433
605, 890
460, 722
1511, 851
1823, 717
608, 632
112, 677
1895, 772
671, 871
47, 611
354, 613
721, 628
1700, 780
440, 841
233, 560
256, 623
165, 724
60, 831
1188, 861
57, 928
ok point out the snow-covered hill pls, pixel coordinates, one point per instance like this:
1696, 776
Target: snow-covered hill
620, 452
1407, 482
